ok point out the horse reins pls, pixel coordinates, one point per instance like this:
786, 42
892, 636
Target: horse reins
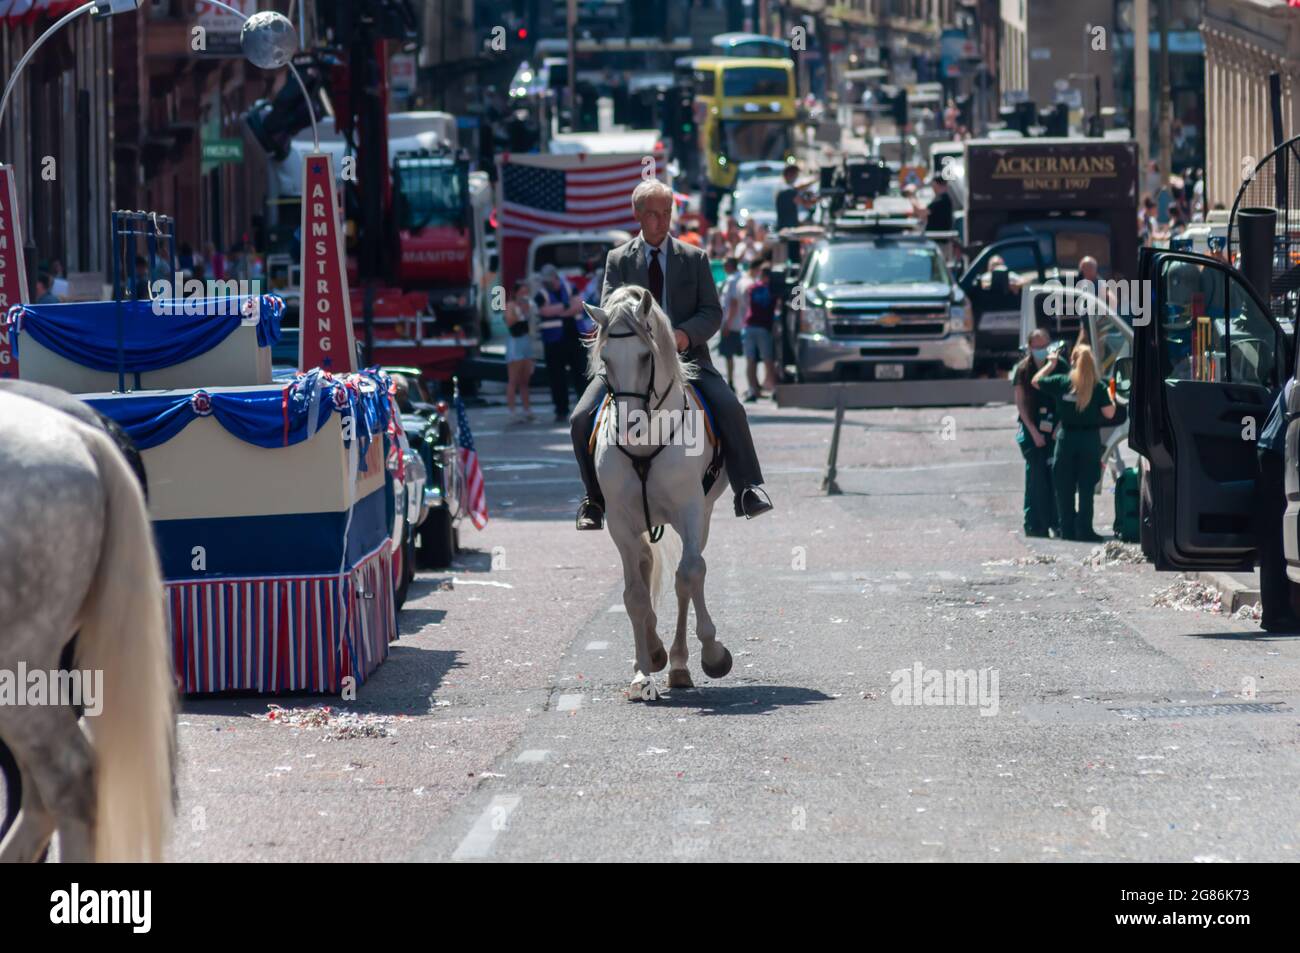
641, 465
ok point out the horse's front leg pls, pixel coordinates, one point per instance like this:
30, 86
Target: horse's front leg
640, 611
654, 644
692, 527
714, 657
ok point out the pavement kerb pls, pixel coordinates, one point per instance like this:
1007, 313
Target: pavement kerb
1235, 592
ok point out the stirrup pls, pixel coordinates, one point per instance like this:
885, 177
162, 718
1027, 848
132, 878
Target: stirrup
765, 502
591, 515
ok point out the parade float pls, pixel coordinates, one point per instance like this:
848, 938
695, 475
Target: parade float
277, 507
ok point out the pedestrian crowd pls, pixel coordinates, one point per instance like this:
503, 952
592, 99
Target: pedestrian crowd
1169, 207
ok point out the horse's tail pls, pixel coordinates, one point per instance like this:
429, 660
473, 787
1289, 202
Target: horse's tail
664, 557
124, 636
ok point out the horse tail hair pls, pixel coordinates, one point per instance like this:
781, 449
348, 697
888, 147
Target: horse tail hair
664, 557
123, 634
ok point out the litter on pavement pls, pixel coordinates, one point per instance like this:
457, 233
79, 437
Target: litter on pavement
339, 725
1189, 595
1115, 553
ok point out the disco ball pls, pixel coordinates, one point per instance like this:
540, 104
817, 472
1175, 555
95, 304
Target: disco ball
268, 39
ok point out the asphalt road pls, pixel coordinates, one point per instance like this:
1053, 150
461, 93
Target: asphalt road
512, 738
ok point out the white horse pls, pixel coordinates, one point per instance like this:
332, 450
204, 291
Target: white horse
77, 556
654, 481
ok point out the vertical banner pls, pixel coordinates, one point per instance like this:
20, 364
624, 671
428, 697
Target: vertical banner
13, 270
325, 314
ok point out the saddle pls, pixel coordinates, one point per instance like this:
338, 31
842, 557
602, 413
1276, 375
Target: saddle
710, 429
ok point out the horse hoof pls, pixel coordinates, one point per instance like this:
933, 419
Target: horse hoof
659, 659
719, 670
680, 678
642, 689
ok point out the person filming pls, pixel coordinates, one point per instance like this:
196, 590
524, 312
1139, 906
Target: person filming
1082, 403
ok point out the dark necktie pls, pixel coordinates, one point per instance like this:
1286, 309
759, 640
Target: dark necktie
656, 277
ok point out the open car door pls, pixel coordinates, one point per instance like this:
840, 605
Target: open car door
995, 293
1204, 377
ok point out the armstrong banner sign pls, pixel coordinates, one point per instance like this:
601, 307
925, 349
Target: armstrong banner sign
13, 275
325, 315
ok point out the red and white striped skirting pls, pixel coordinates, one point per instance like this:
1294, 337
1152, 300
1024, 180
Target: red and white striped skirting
283, 633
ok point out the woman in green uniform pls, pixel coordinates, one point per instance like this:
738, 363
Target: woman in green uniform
1082, 404
1034, 436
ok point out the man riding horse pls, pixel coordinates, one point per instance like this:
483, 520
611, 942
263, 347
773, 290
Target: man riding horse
679, 277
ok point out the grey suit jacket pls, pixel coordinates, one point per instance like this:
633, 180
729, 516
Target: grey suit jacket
693, 302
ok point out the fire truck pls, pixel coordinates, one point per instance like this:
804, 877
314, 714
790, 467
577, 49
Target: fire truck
439, 249
418, 223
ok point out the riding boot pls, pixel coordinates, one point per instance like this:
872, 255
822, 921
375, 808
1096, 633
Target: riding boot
743, 469
580, 424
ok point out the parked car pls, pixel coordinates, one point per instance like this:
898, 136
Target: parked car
406, 514
877, 306
758, 169
429, 431
755, 199
570, 252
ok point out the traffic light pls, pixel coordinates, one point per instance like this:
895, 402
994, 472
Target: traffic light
686, 115
965, 111
898, 108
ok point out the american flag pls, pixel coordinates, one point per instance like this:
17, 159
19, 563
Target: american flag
546, 193
475, 499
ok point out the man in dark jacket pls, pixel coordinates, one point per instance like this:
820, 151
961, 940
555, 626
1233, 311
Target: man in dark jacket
679, 277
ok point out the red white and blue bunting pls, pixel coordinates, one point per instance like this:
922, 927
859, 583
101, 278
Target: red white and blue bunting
283, 633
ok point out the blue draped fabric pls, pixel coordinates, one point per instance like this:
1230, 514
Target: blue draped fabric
87, 333
273, 417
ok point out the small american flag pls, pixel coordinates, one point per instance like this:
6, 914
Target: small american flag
475, 497
538, 195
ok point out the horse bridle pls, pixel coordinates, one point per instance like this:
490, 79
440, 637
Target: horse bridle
650, 389
641, 464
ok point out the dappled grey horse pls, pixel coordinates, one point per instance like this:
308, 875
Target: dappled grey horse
77, 556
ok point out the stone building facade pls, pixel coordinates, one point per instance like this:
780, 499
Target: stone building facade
1245, 40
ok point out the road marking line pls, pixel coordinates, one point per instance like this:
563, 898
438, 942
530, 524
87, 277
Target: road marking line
597, 646
478, 842
532, 756
617, 609
569, 703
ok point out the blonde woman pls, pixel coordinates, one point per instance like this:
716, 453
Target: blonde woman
519, 352
1082, 404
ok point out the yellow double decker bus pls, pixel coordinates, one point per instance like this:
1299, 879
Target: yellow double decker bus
744, 111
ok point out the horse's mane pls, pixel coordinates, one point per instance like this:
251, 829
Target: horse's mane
623, 307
